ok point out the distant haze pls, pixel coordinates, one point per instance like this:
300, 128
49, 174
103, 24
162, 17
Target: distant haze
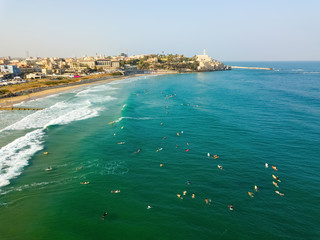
228, 30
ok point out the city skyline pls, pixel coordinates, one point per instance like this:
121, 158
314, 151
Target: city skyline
231, 31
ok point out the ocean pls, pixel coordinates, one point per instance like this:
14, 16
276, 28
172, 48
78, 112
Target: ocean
145, 151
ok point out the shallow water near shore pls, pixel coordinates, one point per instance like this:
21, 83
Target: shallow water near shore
246, 117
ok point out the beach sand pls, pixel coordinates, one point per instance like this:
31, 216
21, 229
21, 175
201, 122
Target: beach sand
9, 102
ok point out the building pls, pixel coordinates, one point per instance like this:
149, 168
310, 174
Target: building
153, 60
206, 63
107, 64
46, 71
123, 55
13, 69
35, 75
4, 61
115, 64
87, 63
104, 63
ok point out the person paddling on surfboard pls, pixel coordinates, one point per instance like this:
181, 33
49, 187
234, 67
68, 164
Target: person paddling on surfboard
103, 216
281, 194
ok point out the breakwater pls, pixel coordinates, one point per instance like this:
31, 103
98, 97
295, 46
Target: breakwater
261, 68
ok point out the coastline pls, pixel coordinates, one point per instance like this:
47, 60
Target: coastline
10, 101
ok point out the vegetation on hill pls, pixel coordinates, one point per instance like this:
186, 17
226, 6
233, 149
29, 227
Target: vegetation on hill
164, 62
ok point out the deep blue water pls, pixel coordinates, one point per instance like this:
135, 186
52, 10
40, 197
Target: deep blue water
246, 117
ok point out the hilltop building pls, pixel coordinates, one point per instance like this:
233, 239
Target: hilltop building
206, 63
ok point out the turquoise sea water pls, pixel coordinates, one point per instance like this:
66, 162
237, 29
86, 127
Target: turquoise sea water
246, 117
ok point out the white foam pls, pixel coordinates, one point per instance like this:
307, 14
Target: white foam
123, 107
101, 100
92, 90
60, 113
311, 72
75, 115
121, 118
131, 79
112, 168
15, 155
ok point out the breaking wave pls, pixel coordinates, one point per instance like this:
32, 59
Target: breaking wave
142, 118
16, 154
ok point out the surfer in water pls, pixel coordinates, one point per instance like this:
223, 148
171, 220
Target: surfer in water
103, 216
281, 194
138, 151
220, 167
267, 165
276, 178
116, 191
79, 168
231, 207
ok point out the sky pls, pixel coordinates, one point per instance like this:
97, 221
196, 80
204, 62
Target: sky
242, 30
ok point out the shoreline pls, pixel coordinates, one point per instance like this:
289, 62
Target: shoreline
10, 101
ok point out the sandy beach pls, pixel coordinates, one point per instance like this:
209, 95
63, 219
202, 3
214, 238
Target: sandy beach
9, 102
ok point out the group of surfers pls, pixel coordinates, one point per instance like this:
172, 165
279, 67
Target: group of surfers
251, 194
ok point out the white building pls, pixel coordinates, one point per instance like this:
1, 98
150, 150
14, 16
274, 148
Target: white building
206, 63
35, 75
